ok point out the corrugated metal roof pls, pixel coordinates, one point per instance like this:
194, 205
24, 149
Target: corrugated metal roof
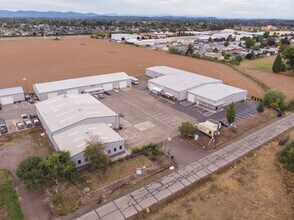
11, 91
80, 82
65, 110
215, 92
75, 140
179, 80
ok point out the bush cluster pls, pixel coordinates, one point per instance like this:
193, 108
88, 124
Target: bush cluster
286, 156
144, 148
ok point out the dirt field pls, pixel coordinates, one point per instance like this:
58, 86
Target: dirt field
257, 188
262, 70
42, 60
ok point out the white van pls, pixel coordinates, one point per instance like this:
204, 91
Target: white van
134, 80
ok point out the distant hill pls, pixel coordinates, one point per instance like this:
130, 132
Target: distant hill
71, 14
45, 14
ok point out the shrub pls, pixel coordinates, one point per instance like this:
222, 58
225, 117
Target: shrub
147, 147
274, 98
187, 129
286, 156
153, 158
157, 152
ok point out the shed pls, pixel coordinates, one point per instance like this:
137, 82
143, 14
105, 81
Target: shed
11, 95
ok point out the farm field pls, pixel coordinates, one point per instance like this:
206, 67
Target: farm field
42, 60
262, 70
257, 188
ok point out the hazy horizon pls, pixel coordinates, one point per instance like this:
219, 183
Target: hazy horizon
281, 9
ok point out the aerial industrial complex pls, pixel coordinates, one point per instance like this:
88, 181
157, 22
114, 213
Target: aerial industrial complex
183, 85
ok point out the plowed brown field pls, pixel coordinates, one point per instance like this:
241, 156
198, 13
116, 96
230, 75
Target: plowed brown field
43, 60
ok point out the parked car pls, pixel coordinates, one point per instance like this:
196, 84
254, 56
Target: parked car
3, 126
35, 120
224, 123
116, 90
20, 125
28, 123
24, 118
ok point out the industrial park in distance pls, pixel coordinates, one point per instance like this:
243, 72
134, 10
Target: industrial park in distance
118, 116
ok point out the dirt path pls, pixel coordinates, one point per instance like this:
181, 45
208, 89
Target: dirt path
11, 154
257, 188
42, 60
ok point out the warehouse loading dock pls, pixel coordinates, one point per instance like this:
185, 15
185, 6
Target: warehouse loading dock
78, 85
182, 85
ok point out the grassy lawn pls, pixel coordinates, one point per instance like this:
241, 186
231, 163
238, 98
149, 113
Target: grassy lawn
9, 204
263, 64
71, 195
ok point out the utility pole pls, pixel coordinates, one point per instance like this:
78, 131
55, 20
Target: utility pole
25, 80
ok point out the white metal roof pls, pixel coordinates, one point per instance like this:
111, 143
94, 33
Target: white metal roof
11, 91
215, 92
65, 110
75, 140
180, 80
80, 82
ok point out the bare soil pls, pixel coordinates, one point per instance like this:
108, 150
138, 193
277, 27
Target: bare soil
43, 60
256, 188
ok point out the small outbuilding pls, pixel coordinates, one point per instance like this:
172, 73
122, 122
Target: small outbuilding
78, 85
11, 95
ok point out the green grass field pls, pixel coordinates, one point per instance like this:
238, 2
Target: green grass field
9, 204
263, 64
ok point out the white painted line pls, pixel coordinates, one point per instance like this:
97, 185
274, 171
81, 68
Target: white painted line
73, 133
69, 118
78, 139
64, 113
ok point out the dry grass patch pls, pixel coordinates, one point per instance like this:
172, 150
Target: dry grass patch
256, 188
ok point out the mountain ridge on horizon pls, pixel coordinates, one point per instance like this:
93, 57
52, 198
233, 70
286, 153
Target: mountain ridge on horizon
72, 14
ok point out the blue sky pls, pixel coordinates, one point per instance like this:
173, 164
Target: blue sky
218, 8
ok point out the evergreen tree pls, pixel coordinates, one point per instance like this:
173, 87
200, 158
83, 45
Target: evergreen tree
231, 113
278, 65
260, 107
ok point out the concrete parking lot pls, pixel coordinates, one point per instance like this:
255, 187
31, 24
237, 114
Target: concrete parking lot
12, 114
144, 119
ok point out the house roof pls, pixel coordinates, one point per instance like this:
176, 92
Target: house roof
215, 92
11, 91
64, 110
179, 80
75, 140
80, 82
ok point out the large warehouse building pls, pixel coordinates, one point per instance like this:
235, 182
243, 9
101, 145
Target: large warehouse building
183, 85
11, 95
71, 120
106, 82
